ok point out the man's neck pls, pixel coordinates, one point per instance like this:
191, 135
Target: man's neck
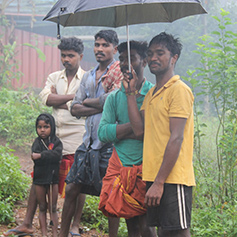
104, 65
70, 74
161, 80
139, 81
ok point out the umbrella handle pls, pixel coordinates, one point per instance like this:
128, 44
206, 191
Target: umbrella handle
62, 10
128, 43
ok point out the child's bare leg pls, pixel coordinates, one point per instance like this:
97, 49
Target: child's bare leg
41, 198
53, 209
26, 226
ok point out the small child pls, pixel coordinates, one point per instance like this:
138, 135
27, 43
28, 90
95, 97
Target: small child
46, 154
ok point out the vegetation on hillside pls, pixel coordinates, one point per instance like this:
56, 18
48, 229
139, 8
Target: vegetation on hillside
215, 197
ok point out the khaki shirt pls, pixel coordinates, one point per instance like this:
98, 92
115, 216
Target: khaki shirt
68, 128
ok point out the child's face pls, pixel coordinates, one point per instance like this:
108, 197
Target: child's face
43, 129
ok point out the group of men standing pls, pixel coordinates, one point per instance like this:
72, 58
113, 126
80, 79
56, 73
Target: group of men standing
137, 146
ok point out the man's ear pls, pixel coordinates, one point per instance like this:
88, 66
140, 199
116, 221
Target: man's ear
144, 62
174, 59
81, 56
115, 49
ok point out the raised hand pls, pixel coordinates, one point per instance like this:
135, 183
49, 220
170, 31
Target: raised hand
128, 82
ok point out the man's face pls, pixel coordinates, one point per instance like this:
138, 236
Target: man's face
159, 59
70, 59
136, 61
104, 51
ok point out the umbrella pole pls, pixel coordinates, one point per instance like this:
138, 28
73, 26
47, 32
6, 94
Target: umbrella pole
129, 59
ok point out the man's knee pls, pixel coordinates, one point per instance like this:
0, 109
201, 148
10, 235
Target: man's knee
72, 190
133, 226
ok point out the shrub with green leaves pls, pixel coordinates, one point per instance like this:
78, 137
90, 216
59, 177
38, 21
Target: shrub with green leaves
214, 84
94, 218
18, 112
13, 183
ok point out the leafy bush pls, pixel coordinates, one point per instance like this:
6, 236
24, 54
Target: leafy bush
214, 209
215, 221
13, 183
18, 112
95, 219
8, 64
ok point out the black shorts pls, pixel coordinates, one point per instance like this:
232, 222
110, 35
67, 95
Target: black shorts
174, 211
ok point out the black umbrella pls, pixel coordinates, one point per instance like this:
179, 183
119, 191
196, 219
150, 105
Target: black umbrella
115, 13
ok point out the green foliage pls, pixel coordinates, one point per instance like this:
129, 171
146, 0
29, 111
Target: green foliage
41, 55
13, 183
9, 66
214, 221
92, 216
95, 219
18, 111
8, 63
215, 169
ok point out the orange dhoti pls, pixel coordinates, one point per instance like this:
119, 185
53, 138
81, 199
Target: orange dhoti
123, 191
65, 166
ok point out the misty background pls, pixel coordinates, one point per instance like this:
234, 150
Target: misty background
28, 14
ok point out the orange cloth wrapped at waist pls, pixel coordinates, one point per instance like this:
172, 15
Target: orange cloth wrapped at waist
65, 166
123, 191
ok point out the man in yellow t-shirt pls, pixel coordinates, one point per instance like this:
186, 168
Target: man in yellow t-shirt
166, 116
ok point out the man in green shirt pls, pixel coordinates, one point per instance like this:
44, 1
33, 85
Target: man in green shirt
123, 191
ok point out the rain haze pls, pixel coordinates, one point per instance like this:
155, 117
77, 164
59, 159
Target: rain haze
27, 17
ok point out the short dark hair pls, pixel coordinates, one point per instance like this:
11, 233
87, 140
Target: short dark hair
71, 43
109, 36
172, 44
43, 117
139, 46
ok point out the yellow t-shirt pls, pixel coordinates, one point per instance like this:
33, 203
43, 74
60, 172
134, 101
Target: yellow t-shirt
174, 99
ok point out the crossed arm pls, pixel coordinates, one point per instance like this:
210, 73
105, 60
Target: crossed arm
125, 131
58, 101
110, 129
89, 106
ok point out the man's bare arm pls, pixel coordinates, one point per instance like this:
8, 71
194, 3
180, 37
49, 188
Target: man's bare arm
93, 102
171, 154
124, 131
56, 100
135, 116
79, 110
63, 106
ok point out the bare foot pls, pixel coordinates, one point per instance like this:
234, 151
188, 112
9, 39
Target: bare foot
74, 232
19, 230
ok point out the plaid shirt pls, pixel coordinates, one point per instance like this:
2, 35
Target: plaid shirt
112, 79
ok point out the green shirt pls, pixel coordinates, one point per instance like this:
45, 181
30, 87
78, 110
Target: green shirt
115, 112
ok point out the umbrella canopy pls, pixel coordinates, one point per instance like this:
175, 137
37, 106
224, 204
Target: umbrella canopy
115, 13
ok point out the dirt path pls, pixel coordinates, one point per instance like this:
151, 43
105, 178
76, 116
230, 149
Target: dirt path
27, 167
